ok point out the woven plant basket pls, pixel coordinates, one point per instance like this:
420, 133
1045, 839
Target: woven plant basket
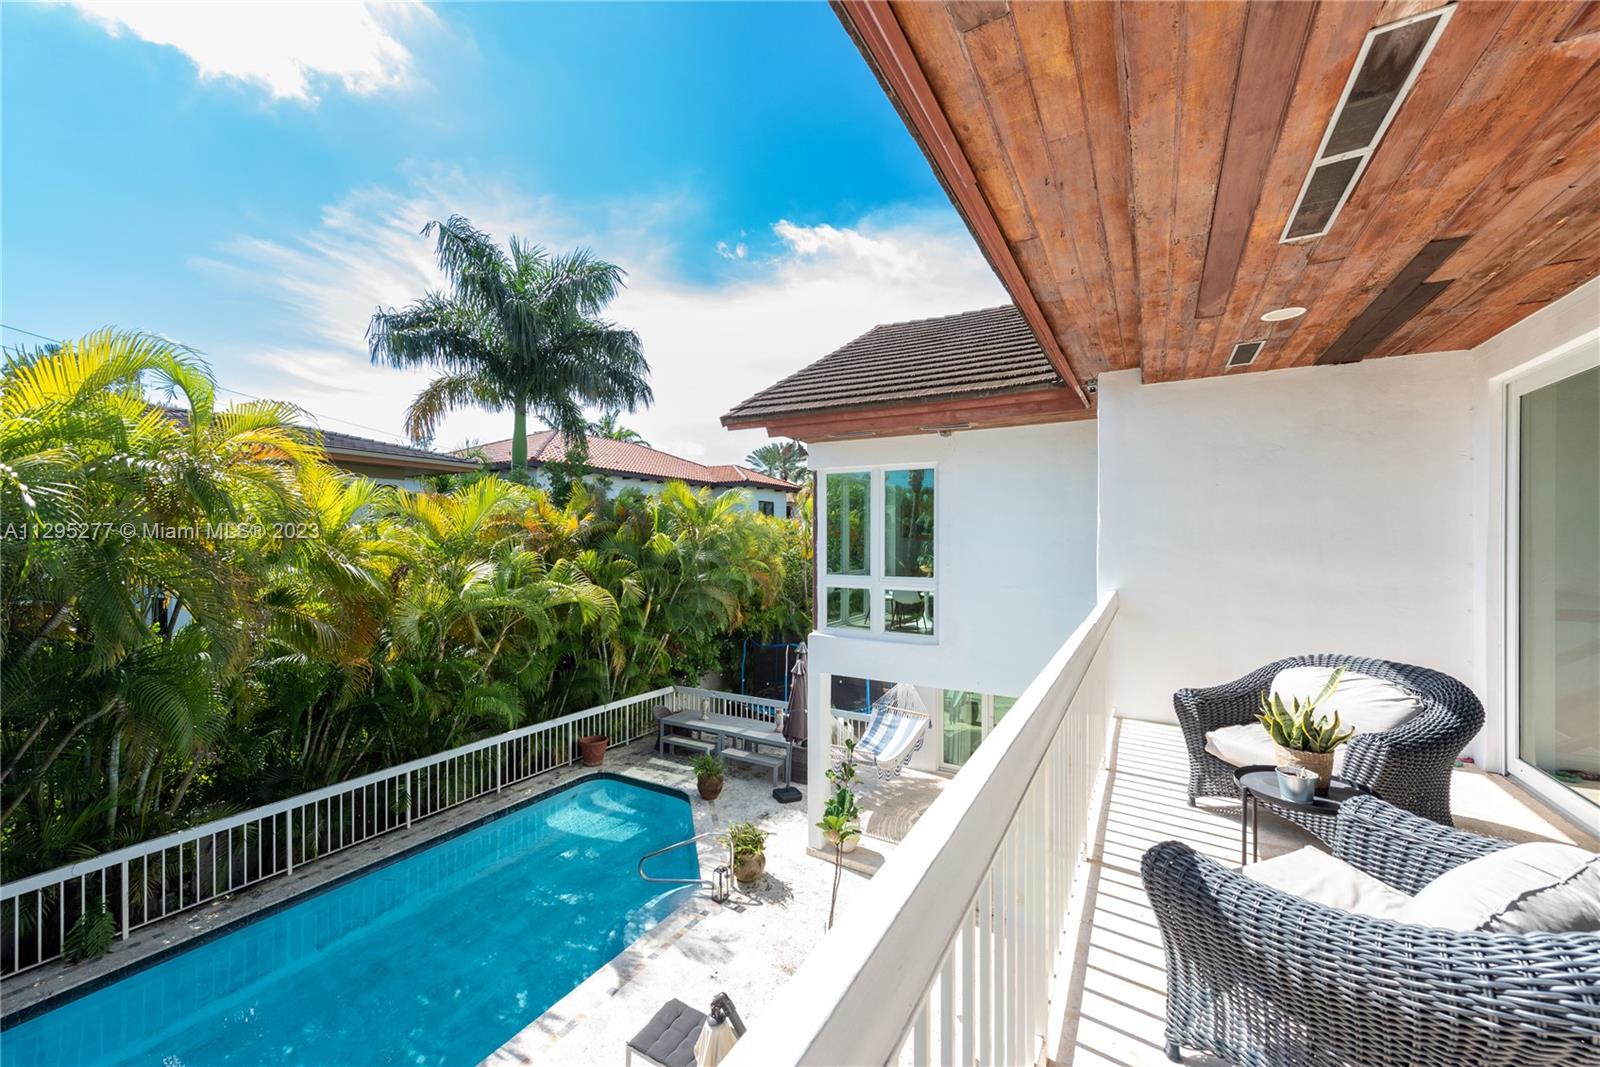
1320, 763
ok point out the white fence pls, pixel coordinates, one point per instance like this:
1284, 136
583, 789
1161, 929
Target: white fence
951, 955
147, 882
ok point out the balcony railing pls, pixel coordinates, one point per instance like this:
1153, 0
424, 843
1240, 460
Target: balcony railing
150, 881
953, 954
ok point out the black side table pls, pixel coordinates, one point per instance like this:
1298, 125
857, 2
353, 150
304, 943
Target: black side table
1259, 785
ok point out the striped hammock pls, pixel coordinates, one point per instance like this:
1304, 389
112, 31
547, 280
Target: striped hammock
893, 733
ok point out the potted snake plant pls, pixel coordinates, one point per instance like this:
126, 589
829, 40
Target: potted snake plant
1302, 739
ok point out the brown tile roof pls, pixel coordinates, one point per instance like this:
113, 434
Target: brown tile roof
975, 353
631, 460
352, 447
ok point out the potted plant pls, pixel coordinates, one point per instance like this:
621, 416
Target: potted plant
1302, 739
841, 806
748, 843
593, 749
708, 776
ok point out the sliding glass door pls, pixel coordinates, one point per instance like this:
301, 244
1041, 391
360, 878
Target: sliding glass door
1553, 691
968, 718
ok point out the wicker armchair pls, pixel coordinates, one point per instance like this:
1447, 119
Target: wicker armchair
1265, 979
1408, 766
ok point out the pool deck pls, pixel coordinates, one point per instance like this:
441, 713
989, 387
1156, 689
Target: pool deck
748, 947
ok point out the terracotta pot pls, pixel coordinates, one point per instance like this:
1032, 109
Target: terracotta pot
710, 788
749, 867
592, 749
1320, 763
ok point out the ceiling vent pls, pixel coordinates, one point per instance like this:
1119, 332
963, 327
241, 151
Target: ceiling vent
1390, 59
1244, 353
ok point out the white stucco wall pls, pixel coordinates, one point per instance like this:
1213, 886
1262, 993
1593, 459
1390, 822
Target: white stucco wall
1349, 509
1015, 518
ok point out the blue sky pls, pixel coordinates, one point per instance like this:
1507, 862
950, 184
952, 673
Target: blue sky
251, 181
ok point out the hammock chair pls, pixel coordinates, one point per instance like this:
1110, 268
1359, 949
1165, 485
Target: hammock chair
895, 730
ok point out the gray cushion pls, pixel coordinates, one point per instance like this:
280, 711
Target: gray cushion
668, 1039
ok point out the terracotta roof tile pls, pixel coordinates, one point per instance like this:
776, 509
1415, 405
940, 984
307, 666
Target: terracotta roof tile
632, 460
975, 353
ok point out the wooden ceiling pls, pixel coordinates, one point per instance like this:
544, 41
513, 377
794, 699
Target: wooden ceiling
1129, 168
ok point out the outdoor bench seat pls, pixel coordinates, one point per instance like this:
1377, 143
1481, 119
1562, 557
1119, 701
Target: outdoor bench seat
667, 1040
769, 760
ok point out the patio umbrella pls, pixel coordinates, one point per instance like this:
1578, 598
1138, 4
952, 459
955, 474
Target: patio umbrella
794, 719
716, 1040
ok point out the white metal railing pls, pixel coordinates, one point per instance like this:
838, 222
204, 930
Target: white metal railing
688, 698
951, 953
147, 882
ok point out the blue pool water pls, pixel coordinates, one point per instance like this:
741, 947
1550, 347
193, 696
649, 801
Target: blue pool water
438, 958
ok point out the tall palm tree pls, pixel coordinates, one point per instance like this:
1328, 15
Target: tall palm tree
608, 427
780, 459
519, 328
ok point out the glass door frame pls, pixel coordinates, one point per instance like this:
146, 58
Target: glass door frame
986, 719
1578, 358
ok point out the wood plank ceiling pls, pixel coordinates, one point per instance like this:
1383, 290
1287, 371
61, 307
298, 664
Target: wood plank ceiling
1129, 170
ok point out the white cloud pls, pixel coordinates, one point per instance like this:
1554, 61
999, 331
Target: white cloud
288, 49
709, 346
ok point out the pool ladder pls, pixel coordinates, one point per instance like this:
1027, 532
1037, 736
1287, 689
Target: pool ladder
721, 882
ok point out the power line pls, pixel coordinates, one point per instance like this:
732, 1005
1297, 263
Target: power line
237, 392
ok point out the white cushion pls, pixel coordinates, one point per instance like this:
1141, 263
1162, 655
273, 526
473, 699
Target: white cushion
1250, 745
1316, 876
1369, 704
1541, 887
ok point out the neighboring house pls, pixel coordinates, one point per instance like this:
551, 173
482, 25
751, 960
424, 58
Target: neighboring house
391, 464
626, 465
950, 560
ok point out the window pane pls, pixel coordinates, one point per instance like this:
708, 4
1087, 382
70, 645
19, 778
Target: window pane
1559, 563
1001, 706
849, 608
963, 724
849, 509
908, 611
908, 523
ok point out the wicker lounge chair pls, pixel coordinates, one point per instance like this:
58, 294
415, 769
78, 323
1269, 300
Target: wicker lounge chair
1265, 979
1408, 766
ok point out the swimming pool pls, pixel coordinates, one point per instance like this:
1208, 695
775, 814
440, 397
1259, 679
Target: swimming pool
439, 957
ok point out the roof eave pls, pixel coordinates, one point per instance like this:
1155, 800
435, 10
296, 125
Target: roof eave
882, 43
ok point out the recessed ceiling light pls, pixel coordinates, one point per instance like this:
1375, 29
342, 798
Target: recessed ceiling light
1283, 314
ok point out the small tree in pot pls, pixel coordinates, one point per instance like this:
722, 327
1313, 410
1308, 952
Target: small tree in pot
748, 843
1300, 737
708, 771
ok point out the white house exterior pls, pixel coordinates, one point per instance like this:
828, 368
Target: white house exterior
623, 465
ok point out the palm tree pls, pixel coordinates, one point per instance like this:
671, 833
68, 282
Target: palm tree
518, 329
608, 427
780, 459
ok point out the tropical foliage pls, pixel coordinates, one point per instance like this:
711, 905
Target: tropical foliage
780, 459
199, 614
608, 427
519, 328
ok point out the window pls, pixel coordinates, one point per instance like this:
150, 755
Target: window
968, 718
765, 507
872, 581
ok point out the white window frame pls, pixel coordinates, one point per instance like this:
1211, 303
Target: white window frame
875, 581
1556, 366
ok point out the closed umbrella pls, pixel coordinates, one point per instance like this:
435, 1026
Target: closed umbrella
716, 1040
794, 720
794, 727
